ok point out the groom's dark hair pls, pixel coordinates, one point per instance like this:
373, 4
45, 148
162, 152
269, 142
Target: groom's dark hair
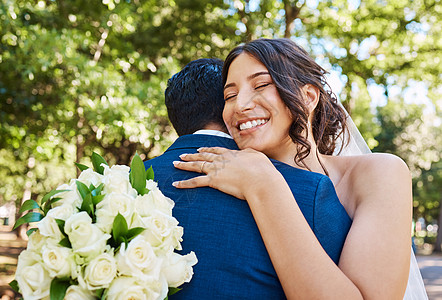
194, 96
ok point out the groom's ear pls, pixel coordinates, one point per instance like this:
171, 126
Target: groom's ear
311, 96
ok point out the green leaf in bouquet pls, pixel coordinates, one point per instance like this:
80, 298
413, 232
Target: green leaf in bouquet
122, 240
50, 194
81, 166
28, 218
28, 205
88, 206
65, 243
119, 229
133, 232
97, 199
60, 224
53, 200
99, 293
58, 288
149, 173
14, 285
173, 290
48, 204
97, 160
104, 294
97, 190
30, 231
137, 174
82, 189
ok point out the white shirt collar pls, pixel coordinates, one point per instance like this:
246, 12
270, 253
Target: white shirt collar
213, 132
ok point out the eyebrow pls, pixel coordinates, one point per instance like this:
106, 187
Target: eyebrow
250, 77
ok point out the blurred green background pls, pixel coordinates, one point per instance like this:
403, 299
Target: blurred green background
78, 76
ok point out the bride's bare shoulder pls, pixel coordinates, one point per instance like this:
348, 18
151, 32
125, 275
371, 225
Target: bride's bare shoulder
378, 165
373, 177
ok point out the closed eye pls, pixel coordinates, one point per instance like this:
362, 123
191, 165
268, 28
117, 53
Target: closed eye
261, 86
229, 97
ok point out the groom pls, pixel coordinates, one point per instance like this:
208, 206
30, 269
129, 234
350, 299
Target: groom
232, 259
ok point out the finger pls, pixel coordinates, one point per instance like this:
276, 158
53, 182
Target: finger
195, 182
215, 150
209, 157
193, 166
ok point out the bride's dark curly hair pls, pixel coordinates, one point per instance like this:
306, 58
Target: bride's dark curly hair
291, 68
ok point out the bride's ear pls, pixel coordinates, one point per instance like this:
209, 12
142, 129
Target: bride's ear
311, 96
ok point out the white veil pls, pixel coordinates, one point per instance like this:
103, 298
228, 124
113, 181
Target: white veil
356, 146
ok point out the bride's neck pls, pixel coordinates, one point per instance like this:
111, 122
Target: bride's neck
311, 162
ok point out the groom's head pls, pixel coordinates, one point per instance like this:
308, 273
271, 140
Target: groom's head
195, 98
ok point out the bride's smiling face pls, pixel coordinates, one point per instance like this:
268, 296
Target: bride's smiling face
254, 113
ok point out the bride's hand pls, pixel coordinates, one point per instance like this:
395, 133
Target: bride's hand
233, 172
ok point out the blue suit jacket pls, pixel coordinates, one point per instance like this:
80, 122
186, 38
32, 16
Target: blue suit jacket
232, 260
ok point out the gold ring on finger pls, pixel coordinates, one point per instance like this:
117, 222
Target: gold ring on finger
202, 166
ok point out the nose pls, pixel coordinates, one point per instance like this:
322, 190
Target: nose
245, 101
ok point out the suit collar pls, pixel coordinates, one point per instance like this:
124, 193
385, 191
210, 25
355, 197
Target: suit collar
202, 140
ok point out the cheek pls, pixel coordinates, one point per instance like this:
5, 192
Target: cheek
227, 114
288, 115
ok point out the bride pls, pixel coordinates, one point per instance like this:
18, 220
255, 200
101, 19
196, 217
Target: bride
276, 106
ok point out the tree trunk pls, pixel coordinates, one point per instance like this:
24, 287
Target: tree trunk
292, 11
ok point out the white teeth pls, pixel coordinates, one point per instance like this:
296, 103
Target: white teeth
251, 124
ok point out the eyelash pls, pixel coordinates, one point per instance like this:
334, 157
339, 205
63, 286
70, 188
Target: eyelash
229, 97
262, 86
256, 88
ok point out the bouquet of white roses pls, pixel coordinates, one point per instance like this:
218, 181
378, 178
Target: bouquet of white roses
109, 234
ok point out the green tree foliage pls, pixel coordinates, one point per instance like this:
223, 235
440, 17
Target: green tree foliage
78, 76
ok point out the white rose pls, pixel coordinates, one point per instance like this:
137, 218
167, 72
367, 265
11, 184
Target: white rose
36, 241
62, 212
178, 268
77, 267
123, 288
71, 197
137, 220
86, 238
138, 260
48, 227
150, 184
99, 273
33, 280
58, 260
177, 237
89, 177
111, 205
76, 292
116, 179
162, 231
153, 200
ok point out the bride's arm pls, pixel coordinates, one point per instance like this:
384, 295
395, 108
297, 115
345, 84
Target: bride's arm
371, 258
379, 239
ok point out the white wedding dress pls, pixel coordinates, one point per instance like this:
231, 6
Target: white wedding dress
356, 146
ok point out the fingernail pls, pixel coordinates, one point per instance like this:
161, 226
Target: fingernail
176, 163
199, 149
175, 183
183, 155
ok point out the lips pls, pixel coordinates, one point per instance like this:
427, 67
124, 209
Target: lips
243, 125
